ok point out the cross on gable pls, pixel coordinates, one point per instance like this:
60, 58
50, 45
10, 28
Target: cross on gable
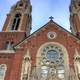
51, 18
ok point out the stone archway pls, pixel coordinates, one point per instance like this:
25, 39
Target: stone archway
56, 45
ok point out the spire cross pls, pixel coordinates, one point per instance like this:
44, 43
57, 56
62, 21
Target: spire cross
51, 18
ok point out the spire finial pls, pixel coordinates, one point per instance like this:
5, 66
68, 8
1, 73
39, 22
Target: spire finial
51, 18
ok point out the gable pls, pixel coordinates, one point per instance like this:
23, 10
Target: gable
53, 27
40, 37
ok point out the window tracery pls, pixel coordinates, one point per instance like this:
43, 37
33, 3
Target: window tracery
52, 63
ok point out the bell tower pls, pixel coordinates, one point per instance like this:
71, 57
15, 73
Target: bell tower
75, 17
19, 18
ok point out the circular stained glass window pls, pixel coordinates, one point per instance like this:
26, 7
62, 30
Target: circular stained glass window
52, 55
51, 35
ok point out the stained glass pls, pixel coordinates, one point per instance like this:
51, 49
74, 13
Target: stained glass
52, 55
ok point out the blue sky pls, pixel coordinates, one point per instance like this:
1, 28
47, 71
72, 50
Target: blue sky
42, 10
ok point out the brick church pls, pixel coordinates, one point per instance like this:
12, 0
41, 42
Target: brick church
50, 53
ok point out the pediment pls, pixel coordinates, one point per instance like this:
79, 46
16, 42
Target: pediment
44, 33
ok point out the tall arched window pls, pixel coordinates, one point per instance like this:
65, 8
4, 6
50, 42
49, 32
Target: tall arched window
16, 22
52, 66
52, 62
26, 65
3, 69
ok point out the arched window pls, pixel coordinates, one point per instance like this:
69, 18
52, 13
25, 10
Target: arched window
51, 62
16, 22
52, 66
26, 65
9, 45
3, 69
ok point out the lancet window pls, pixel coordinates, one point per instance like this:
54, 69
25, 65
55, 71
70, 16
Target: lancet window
16, 22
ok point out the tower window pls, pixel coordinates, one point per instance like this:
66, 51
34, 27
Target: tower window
79, 4
21, 4
9, 45
16, 22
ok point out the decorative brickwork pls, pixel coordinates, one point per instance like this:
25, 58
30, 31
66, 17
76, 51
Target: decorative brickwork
50, 53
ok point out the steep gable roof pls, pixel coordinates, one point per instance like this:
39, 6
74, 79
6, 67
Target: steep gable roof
44, 26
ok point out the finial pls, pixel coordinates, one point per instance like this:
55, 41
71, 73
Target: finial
51, 18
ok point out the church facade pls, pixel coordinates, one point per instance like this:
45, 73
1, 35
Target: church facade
50, 53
